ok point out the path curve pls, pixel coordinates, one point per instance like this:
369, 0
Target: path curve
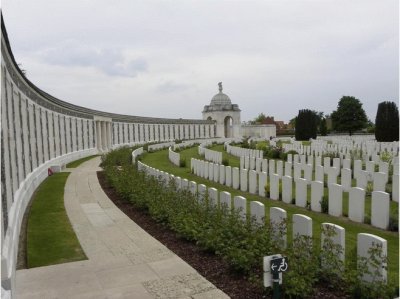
124, 261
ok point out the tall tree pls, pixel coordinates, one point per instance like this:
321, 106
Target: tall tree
349, 116
323, 128
306, 125
387, 122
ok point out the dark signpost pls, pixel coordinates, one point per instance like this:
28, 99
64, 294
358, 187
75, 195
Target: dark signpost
278, 265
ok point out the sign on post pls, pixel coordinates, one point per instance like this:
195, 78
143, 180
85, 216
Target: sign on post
279, 265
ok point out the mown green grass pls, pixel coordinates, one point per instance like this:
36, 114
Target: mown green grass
160, 161
50, 237
75, 164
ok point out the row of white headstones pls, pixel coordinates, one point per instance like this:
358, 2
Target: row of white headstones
302, 224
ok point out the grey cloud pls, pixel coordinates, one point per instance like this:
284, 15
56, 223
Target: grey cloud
110, 61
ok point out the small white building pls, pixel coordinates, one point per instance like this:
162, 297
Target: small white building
227, 118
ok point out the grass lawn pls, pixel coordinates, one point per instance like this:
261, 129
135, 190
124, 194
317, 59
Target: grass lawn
75, 164
50, 237
160, 161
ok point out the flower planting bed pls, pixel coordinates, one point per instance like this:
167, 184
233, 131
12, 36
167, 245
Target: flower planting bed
211, 266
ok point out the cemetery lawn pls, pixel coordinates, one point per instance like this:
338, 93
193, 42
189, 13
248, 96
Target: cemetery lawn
160, 161
50, 237
75, 164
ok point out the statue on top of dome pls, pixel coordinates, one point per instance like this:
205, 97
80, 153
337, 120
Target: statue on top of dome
220, 86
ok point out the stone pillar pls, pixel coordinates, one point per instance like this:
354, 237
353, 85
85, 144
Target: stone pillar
98, 136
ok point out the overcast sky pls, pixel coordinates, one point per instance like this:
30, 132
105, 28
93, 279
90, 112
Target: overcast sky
165, 58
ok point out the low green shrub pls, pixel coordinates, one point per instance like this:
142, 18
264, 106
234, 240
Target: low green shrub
225, 161
182, 162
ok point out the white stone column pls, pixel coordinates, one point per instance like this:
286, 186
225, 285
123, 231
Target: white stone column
32, 137
25, 135
98, 136
90, 134
46, 154
109, 135
104, 135
39, 136
80, 134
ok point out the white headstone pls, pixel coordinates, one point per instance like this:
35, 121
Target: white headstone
319, 173
252, 163
225, 199
211, 171
308, 172
288, 168
317, 192
287, 186
345, 179
271, 167
347, 163
380, 209
395, 187
327, 164
206, 168
257, 210
318, 161
279, 168
240, 203
364, 243
357, 168
253, 182
274, 186
243, 180
332, 175
356, 204
262, 180
202, 191
216, 173
221, 174
336, 234
362, 179
212, 197
235, 178
302, 225
335, 200
228, 176
193, 187
277, 218
264, 165
379, 181
301, 193
297, 171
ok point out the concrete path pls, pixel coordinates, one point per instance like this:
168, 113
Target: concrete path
123, 260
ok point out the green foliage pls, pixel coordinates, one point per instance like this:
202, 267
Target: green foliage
306, 125
303, 268
387, 122
370, 266
273, 152
182, 162
119, 157
324, 204
349, 116
225, 161
323, 129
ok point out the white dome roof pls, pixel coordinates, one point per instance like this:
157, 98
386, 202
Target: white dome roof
220, 99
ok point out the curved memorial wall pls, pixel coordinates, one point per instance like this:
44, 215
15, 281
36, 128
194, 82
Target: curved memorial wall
39, 131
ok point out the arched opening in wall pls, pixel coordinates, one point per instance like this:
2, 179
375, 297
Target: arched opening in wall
209, 118
228, 127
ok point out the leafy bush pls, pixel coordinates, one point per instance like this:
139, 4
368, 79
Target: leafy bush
225, 161
324, 204
182, 162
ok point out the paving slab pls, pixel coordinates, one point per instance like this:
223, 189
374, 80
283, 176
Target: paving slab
124, 261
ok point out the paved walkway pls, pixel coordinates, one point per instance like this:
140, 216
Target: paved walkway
123, 260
